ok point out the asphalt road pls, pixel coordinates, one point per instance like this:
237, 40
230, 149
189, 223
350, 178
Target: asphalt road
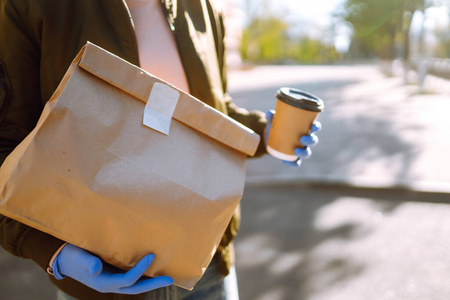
366, 217
325, 242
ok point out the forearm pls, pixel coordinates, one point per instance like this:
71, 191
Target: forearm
255, 120
24, 241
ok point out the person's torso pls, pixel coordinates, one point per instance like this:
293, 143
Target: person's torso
158, 53
69, 24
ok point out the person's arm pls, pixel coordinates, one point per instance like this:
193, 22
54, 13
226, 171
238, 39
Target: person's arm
255, 120
20, 108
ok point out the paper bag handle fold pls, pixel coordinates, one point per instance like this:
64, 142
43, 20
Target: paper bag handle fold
186, 108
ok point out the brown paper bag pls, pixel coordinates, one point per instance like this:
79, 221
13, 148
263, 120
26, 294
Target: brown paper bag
93, 174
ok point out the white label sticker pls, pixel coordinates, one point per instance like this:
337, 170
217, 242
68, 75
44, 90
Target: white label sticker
160, 107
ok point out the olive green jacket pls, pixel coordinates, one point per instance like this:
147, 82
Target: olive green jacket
38, 41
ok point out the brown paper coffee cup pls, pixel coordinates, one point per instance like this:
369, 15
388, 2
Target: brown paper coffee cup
296, 111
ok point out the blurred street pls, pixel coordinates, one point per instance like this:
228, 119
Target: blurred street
377, 131
365, 218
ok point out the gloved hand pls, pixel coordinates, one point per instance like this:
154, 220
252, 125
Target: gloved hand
88, 269
306, 140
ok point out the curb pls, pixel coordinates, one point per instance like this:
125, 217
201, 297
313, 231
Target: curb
424, 187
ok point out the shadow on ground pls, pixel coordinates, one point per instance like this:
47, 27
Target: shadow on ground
317, 242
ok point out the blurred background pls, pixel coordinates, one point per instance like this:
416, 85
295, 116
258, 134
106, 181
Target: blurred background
292, 32
367, 216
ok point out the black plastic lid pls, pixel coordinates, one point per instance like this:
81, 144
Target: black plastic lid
301, 99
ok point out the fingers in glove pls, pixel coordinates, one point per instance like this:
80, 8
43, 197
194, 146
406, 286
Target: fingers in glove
72, 256
269, 115
147, 284
133, 275
317, 126
93, 265
136, 284
296, 163
303, 152
309, 140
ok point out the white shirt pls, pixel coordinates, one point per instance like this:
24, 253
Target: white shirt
158, 53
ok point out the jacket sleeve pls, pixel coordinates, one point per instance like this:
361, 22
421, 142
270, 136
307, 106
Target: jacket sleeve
255, 120
20, 108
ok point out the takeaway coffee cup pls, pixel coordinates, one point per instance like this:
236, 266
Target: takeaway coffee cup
296, 111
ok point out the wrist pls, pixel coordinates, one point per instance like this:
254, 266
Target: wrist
52, 267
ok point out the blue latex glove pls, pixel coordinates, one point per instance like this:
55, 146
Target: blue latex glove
306, 140
88, 269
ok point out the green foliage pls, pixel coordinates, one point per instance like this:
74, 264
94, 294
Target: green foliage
380, 29
265, 40
308, 50
379, 25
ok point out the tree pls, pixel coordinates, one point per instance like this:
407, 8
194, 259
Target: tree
264, 40
380, 25
308, 50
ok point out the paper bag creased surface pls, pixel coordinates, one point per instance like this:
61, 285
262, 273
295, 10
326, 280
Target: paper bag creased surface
92, 174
